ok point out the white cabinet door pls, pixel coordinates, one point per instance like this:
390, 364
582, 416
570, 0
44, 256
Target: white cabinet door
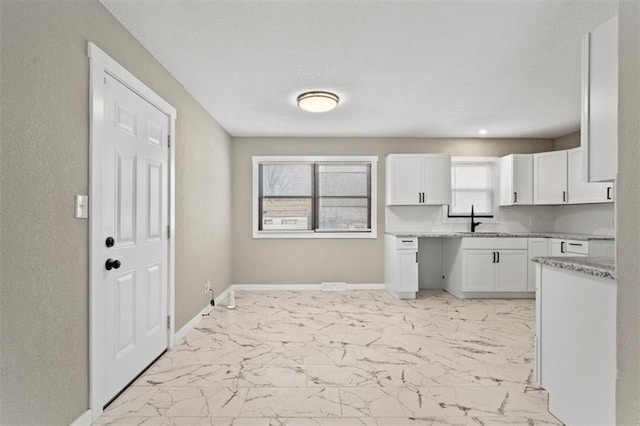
436, 179
516, 180
550, 177
512, 270
408, 270
599, 124
479, 270
557, 248
538, 247
404, 180
581, 191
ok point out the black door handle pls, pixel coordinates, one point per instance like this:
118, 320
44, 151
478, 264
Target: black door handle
515, 197
112, 264
564, 196
498, 257
562, 247
494, 257
609, 193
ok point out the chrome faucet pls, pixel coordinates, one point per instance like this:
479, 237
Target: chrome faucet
474, 224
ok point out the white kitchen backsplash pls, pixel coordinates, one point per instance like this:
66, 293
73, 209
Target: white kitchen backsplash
432, 219
596, 219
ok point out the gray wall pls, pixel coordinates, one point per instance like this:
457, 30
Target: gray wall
45, 140
294, 261
572, 140
628, 205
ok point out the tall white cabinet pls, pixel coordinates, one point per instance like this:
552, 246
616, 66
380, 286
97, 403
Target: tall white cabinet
550, 178
418, 179
516, 180
599, 123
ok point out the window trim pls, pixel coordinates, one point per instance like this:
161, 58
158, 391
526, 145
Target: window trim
311, 234
494, 218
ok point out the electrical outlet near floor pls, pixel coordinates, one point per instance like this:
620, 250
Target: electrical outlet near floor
207, 287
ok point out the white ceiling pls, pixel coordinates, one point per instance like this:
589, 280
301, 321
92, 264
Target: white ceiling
401, 68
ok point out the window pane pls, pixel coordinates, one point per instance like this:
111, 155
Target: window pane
348, 179
472, 183
343, 214
469, 175
286, 179
462, 200
286, 214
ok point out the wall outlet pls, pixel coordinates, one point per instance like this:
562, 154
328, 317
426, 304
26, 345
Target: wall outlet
207, 287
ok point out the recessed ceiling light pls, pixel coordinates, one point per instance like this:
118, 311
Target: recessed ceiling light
482, 132
318, 101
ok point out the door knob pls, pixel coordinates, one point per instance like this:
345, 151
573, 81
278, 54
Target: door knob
112, 264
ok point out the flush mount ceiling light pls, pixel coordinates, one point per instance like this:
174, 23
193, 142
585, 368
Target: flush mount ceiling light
318, 101
482, 132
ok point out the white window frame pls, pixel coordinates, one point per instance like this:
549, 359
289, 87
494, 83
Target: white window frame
496, 191
309, 234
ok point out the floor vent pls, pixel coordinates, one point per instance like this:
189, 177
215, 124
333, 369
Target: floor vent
334, 286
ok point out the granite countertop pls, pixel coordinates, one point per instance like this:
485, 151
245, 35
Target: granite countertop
559, 235
603, 267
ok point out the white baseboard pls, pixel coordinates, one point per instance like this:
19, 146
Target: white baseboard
84, 419
195, 320
300, 287
366, 286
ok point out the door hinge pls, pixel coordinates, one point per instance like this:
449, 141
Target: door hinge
168, 322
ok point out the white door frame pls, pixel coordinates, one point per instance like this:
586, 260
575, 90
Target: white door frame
101, 64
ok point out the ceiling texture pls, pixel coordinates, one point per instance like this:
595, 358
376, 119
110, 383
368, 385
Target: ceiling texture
428, 68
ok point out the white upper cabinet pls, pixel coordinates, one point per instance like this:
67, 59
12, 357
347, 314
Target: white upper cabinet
418, 179
580, 191
550, 178
516, 180
599, 124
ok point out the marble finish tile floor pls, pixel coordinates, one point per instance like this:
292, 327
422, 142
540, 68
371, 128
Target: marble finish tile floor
343, 359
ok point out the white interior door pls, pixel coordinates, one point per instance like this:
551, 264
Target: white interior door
135, 215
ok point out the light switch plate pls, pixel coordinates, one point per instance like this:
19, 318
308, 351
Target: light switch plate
82, 206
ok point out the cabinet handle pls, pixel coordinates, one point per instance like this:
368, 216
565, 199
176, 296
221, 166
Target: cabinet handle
498, 257
515, 197
423, 197
494, 257
419, 197
407, 241
416, 257
562, 247
609, 193
564, 196
575, 244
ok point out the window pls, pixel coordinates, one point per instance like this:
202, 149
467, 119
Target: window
473, 183
314, 197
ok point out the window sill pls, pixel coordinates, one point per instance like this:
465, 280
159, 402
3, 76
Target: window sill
316, 235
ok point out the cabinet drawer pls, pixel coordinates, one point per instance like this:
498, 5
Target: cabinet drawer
577, 247
407, 243
494, 243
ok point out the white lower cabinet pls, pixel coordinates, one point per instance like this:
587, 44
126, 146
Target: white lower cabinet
538, 247
495, 270
576, 345
401, 266
512, 272
575, 248
407, 271
486, 267
479, 272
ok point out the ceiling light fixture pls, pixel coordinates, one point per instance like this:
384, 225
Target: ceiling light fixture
318, 101
482, 132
